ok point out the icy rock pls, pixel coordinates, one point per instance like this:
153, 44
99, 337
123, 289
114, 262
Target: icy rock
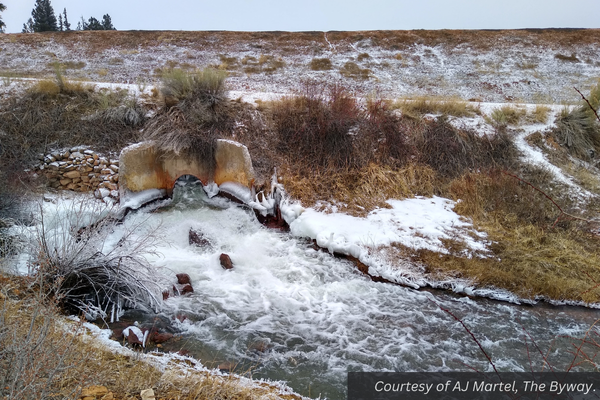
183, 279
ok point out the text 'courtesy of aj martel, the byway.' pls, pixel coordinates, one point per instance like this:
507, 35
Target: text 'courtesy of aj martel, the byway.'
472, 385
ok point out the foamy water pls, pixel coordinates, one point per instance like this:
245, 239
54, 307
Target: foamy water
289, 312
320, 318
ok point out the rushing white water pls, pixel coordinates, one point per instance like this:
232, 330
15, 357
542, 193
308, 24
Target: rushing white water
289, 312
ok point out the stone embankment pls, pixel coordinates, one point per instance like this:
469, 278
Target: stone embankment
82, 170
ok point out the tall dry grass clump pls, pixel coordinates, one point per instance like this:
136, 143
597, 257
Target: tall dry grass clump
421, 105
578, 129
94, 267
195, 112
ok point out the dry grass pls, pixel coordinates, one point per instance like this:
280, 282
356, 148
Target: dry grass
507, 115
539, 115
531, 256
418, 106
352, 70
362, 189
529, 262
321, 64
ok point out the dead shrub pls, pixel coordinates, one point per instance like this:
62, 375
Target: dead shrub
452, 152
385, 134
315, 127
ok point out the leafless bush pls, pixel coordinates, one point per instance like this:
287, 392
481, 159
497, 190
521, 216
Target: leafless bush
316, 126
94, 264
384, 134
452, 152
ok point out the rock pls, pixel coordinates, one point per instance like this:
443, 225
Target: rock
101, 193
159, 338
94, 392
259, 347
65, 182
187, 289
114, 168
226, 367
89, 152
134, 335
147, 394
108, 396
225, 261
198, 239
184, 279
75, 155
53, 166
72, 174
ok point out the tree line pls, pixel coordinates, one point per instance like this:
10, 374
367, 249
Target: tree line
43, 19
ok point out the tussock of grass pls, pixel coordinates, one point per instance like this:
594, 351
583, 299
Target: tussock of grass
206, 85
507, 115
416, 107
539, 115
320, 64
578, 129
352, 70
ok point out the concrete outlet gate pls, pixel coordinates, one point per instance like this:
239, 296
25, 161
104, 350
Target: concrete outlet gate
144, 166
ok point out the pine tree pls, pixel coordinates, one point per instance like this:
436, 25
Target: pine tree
43, 17
107, 23
2, 24
28, 26
93, 25
61, 26
66, 21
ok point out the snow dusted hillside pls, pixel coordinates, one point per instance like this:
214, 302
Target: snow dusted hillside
531, 66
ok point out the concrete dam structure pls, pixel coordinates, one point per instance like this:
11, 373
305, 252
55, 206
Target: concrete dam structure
145, 166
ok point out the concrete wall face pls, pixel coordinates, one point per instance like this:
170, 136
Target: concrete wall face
143, 166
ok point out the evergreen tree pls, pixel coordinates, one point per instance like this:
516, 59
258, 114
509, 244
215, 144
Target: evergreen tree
66, 21
93, 25
2, 24
107, 23
61, 26
43, 17
28, 26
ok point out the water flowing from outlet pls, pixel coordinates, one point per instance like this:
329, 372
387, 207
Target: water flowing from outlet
289, 312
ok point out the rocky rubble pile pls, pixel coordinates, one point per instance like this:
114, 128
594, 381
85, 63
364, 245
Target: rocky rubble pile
82, 170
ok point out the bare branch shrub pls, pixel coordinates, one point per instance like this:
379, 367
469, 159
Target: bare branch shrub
386, 133
452, 152
315, 126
